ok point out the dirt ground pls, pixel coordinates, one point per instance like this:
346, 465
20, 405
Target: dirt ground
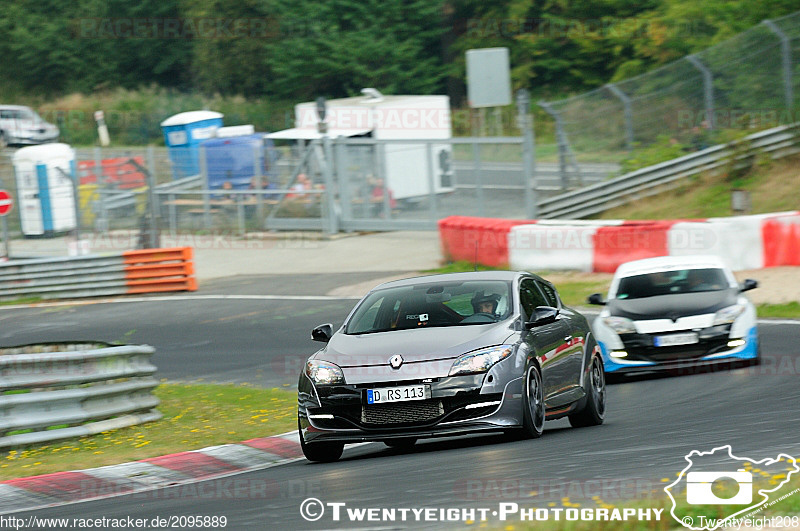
775, 284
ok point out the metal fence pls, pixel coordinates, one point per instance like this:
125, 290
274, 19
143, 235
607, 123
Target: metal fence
368, 185
378, 185
750, 81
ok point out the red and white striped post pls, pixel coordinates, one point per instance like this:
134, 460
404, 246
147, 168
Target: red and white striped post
6, 202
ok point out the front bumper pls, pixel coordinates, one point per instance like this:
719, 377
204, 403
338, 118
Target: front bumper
457, 405
33, 137
713, 348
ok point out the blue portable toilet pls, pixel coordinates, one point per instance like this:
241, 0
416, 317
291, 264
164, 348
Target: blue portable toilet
232, 159
183, 134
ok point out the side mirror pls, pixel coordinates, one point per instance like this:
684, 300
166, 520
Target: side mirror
596, 298
323, 332
542, 315
748, 284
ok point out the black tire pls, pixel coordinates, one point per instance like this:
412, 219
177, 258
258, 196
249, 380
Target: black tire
405, 443
533, 410
757, 360
594, 412
321, 452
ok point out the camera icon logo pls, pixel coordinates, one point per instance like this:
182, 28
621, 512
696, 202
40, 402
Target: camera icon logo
699, 488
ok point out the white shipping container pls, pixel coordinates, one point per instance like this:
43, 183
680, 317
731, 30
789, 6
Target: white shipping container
405, 165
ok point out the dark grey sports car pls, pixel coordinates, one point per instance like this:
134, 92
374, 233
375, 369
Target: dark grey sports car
449, 355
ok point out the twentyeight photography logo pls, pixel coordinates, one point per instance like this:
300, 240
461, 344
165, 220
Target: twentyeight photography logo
718, 488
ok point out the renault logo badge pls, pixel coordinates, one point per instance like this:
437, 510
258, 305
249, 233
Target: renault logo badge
396, 361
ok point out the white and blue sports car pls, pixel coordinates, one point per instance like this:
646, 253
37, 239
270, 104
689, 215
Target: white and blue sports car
674, 312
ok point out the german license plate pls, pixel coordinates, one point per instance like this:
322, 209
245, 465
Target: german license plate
385, 395
675, 339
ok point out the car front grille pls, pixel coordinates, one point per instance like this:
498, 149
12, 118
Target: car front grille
402, 413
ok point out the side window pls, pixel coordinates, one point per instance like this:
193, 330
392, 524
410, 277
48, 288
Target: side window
549, 294
530, 297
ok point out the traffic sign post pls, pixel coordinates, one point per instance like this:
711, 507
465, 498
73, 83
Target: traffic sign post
5, 207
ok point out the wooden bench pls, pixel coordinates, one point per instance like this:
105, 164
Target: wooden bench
196, 215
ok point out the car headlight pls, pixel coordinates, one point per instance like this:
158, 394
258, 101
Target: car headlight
728, 315
480, 360
620, 325
324, 372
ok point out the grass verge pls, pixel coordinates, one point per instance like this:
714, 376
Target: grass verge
789, 310
772, 186
195, 416
659, 500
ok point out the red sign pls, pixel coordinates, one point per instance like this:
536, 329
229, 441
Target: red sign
5, 203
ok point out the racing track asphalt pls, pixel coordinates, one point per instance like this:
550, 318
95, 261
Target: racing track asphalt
652, 423
212, 335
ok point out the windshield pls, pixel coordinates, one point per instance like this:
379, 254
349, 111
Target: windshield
432, 305
670, 282
28, 115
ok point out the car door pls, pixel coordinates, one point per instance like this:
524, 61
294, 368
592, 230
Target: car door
571, 356
547, 341
7, 123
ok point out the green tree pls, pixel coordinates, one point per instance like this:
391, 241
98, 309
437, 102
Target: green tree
326, 47
54, 47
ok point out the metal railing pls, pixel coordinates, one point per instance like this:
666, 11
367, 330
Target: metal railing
748, 81
52, 392
144, 271
778, 142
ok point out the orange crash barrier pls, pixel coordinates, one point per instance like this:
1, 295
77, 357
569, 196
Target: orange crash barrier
158, 270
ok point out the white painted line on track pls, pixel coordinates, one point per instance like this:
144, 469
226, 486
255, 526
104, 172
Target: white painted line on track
123, 300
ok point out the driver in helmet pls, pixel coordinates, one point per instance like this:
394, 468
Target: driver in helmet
485, 303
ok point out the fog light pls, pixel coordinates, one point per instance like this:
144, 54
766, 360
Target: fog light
322, 416
482, 404
733, 343
618, 354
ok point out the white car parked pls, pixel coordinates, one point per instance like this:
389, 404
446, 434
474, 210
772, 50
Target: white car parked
672, 312
21, 125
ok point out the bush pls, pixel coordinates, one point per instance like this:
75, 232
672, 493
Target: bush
134, 116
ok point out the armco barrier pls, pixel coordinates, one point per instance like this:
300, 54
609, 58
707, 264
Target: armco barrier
131, 272
155, 270
777, 142
73, 390
744, 242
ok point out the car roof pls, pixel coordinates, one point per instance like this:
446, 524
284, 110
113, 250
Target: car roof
669, 263
14, 107
506, 276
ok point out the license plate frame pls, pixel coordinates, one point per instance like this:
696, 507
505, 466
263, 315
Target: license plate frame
676, 340
391, 395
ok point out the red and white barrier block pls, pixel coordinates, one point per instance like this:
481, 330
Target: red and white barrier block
744, 242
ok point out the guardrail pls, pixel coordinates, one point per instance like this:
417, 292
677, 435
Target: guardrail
778, 142
113, 199
130, 272
73, 390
